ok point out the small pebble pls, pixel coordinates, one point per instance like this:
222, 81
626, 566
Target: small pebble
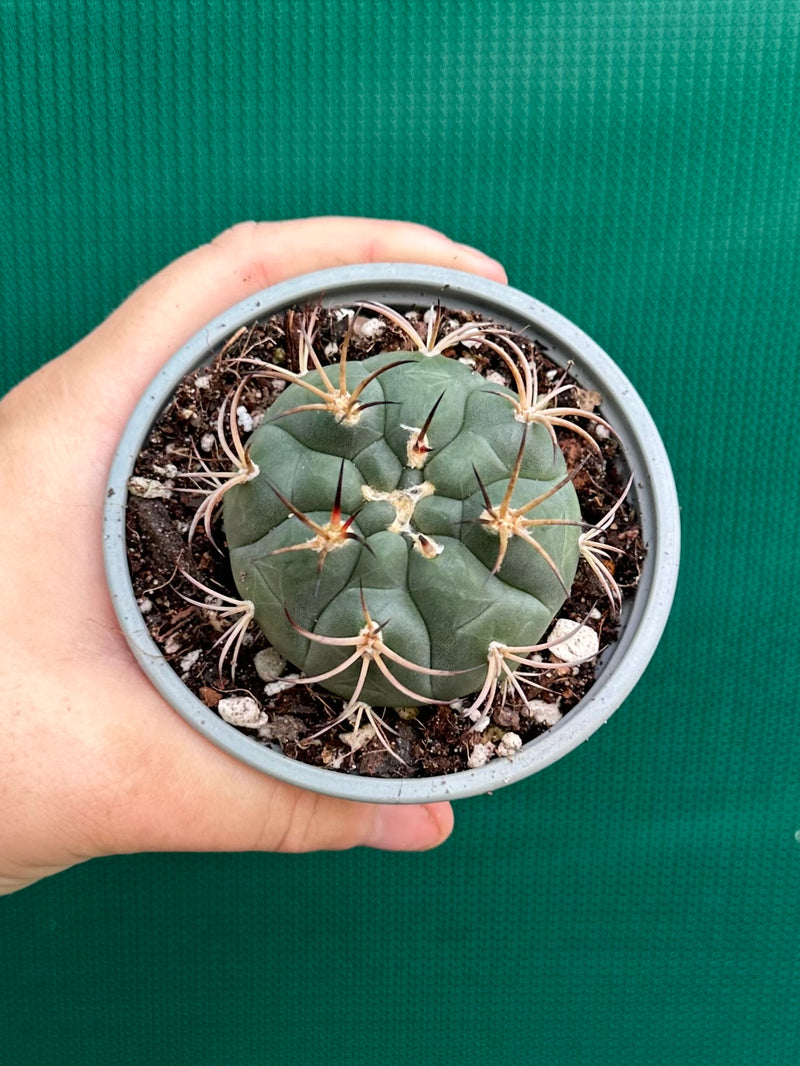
508, 745
244, 419
480, 755
587, 399
242, 711
148, 488
408, 714
269, 664
542, 712
482, 721
272, 688
286, 729
188, 661
576, 641
359, 738
370, 328
506, 717
207, 442
332, 759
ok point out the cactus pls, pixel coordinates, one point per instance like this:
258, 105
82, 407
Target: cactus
404, 528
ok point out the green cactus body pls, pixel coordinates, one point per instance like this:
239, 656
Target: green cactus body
423, 561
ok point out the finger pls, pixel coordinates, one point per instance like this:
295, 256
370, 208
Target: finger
279, 817
202, 799
312, 822
410, 828
127, 775
177, 302
262, 814
259, 813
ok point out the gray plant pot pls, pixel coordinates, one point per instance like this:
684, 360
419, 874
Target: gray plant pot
644, 616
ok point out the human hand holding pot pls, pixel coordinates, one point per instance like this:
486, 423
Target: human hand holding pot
94, 760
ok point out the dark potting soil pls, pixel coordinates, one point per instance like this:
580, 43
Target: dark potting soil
165, 562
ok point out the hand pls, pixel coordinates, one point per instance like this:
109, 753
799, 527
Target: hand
94, 762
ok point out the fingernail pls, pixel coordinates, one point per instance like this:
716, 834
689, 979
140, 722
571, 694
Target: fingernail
414, 828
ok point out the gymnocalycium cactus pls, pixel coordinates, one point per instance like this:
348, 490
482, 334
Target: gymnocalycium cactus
403, 529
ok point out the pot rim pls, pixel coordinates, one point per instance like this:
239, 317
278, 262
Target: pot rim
644, 616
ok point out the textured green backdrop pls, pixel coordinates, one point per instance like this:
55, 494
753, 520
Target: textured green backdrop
636, 165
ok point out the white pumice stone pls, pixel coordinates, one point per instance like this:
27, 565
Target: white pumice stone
244, 419
576, 641
509, 744
480, 755
542, 712
370, 328
269, 664
189, 659
170, 470
273, 688
148, 488
359, 738
242, 711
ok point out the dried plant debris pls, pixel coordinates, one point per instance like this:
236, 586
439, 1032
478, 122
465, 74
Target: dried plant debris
198, 452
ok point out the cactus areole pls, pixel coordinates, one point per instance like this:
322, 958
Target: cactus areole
403, 518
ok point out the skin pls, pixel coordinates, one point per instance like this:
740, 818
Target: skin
94, 761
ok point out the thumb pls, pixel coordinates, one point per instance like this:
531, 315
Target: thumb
415, 828
205, 800
321, 823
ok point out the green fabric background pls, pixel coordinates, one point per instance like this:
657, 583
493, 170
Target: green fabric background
636, 165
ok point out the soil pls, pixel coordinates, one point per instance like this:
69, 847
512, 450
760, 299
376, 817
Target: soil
429, 740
